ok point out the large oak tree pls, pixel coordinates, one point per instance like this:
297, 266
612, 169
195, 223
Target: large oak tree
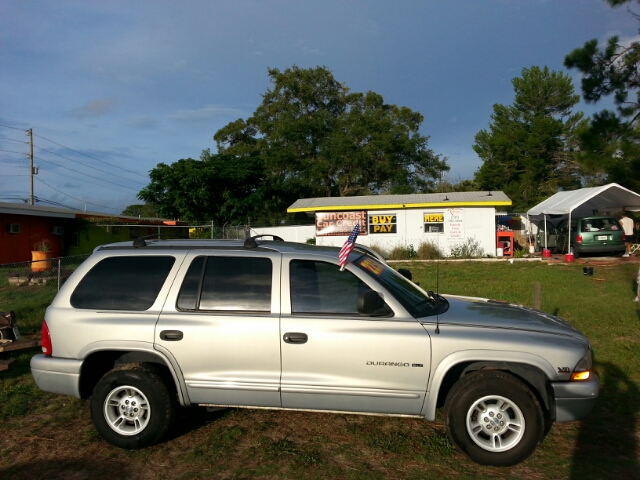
317, 138
310, 136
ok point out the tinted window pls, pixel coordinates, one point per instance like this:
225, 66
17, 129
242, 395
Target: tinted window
122, 283
227, 283
404, 290
318, 287
190, 290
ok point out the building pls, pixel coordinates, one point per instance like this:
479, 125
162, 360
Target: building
70, 232
387, 221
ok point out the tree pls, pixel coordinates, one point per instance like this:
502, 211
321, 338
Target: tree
316, 138
217, 187
528, 151
611, 144
147, 210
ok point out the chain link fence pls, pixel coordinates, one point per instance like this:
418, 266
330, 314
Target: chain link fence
233, 232
53, 270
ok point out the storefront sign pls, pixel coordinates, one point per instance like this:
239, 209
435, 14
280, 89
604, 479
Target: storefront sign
433, 222
340, 223
385, 223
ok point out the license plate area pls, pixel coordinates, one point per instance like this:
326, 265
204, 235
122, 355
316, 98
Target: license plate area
602, 237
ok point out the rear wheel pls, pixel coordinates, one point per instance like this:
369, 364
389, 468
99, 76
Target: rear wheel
494, 418
133, 406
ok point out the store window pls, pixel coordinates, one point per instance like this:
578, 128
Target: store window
433, 222
383, 223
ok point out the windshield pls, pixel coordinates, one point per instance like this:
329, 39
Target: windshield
417, 302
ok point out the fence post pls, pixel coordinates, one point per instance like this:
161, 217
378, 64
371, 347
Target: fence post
59, 275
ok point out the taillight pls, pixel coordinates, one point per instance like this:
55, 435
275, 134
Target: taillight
47, 347
624, 237
578, 238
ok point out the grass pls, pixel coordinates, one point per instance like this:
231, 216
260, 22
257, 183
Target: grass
51, 435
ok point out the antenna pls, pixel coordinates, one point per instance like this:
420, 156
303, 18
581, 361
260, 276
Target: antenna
437, 296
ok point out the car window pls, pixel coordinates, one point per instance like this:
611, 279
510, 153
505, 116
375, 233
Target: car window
319, 287
600, 224
227, 284
123, 283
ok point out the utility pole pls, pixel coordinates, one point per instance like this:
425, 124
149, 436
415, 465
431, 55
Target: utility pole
30, 133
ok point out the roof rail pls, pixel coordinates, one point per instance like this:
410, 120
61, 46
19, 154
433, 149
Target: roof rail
251, 242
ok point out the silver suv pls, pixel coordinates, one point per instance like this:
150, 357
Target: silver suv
144, 326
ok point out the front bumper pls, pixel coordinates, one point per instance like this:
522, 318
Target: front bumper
574, 400
57, 375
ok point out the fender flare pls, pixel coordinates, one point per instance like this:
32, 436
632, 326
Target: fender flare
467, 356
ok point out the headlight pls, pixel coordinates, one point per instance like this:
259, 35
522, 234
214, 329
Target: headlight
582, 370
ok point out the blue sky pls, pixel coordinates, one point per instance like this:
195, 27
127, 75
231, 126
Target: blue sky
112, 88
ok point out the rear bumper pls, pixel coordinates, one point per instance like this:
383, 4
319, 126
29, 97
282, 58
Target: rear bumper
57, 375
574, 400
598, 248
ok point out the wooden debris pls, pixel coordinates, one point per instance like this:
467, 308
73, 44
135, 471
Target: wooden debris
19, 345
4, 364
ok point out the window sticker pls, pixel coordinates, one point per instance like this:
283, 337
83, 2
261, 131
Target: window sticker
384, 223
372, 266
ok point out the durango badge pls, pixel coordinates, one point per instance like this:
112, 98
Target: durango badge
389, 364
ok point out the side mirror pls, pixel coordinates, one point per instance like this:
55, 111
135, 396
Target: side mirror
371, 303
406, 273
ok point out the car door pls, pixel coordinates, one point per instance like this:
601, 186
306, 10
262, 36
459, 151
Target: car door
221, 325
336, 359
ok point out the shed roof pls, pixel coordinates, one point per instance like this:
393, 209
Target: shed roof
57, 212
585, 200
416, 200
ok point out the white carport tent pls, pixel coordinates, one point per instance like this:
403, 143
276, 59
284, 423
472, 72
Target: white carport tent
585, 202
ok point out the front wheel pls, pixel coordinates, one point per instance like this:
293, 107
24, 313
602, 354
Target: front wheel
494, 418
133, 406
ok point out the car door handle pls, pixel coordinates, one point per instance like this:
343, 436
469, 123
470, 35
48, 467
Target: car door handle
171, 335
295, 337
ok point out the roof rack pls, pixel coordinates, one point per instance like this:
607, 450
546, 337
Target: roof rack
140, 241
250, 243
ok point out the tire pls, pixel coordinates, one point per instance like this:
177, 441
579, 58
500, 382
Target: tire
133, 406
512, 414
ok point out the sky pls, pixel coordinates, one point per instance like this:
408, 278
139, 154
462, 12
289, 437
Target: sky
112, 88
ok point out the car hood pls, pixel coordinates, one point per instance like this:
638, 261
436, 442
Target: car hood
482, 312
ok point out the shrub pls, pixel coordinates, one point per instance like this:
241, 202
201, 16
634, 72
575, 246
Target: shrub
469, 249
310, 241
377, 248
429, 251
403, 253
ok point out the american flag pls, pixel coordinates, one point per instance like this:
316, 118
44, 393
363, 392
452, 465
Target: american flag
348, 246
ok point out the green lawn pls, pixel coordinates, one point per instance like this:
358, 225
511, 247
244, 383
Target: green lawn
45, 432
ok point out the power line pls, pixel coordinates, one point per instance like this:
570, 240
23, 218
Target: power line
84, 164
11, 151
89, 156
14, 128
65, 175
14, 140
51, 202
74, 198
85, 174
